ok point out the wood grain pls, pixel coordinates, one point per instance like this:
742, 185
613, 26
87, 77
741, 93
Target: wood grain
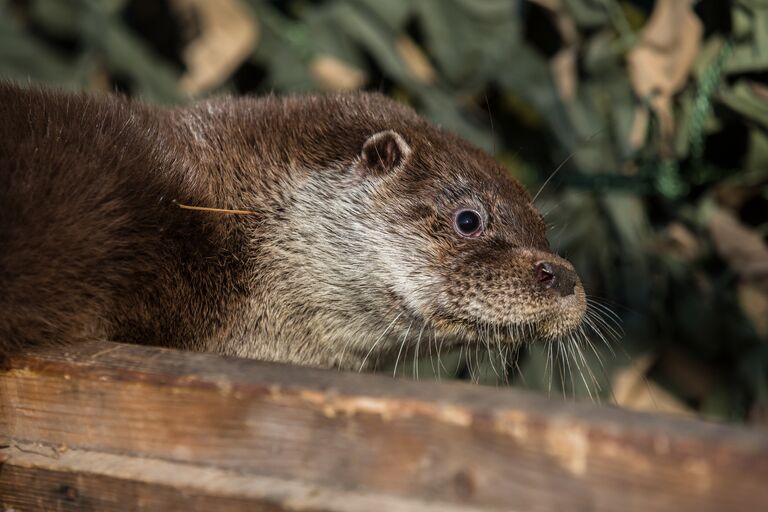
79, 480
421, 442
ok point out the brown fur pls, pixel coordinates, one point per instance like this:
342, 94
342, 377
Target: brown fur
350, 250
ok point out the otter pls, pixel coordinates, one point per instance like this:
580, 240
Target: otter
360, 222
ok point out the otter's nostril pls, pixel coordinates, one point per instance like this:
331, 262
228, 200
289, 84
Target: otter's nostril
545, 274
556, 278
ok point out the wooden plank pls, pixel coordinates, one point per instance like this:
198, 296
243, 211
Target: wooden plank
30, 482
476, 447
40, 478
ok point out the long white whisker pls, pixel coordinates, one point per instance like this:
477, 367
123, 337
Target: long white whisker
490, 358
405, 337
546, 182
435, 372
572, 350
550, 363
362, 365
602, 366
610, 316
606, 316
416, 354
570, 371
561, 364
590, 323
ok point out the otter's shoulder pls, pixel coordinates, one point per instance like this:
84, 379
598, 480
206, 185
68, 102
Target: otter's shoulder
37, 111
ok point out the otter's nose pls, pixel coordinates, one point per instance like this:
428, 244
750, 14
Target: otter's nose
555, 277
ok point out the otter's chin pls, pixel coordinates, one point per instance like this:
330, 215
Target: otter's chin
565, 317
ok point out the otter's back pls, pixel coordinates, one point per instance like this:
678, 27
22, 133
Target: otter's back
69, 234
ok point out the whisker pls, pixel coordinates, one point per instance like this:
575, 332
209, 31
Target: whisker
362, 365
557, 169
561, 165
570, 371
550, 362
590, 323
439, 354
574, 348
602, 366
458, 362
610, 303
503, 356
405, 337
550, 210
490, 118
610, 315
416, 354
516, 361
435, 372
490, 359
592, 377
561, 361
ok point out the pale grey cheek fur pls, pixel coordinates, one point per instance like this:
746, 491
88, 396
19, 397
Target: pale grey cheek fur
366, 268
332, 242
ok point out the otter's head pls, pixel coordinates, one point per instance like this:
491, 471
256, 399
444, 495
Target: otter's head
415, 233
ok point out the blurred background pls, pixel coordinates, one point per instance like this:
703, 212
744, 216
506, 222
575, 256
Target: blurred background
653, 113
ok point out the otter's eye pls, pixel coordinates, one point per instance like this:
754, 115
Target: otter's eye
468, 223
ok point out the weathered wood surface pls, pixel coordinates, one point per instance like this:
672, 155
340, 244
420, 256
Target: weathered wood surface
118, 427
41, 478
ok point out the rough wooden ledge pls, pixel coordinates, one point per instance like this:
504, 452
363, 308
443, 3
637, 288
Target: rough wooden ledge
117, 427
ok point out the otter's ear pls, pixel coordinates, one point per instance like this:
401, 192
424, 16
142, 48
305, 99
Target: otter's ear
384, 152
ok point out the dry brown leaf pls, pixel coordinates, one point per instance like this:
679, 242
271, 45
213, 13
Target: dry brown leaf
564, 63
754, 304
228, 34
746, 253
415, 59
742, 248
335, 75
639, 130
759, 89
565, 72
732, 196
691, 378
631, 389
661, 63
678, 241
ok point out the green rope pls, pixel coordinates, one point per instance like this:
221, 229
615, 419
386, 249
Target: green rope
668, 182
664, 177
702, 104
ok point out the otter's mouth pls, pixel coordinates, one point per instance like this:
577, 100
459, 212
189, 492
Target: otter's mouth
556, 315
544, 327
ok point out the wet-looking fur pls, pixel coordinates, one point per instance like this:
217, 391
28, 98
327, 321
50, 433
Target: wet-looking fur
351, 246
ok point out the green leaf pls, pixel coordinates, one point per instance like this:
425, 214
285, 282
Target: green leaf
23, 58
743, 98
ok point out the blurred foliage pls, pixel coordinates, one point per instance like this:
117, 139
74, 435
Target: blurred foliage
657, 112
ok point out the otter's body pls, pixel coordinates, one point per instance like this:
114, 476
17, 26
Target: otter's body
352, 244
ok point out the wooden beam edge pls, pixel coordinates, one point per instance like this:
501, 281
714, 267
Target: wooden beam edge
154, 481
338, 392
